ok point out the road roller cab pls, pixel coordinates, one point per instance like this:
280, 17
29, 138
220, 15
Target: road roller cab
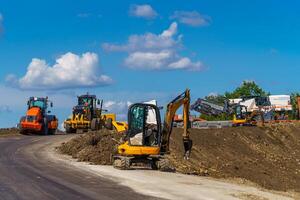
37, 118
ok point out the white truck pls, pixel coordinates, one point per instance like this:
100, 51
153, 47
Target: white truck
278, 103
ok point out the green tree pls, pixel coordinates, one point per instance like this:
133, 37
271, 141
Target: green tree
294, 103
248, 88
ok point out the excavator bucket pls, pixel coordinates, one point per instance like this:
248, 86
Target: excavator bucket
188, 144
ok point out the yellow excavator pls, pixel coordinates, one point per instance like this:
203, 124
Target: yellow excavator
243, 118
147, 140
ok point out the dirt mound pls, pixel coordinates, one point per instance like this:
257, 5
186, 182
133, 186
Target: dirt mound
268, 156
9, 131
94, 147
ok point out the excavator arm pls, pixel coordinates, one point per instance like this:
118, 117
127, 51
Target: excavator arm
181, 100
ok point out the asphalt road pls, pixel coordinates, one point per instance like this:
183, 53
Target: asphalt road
25, 173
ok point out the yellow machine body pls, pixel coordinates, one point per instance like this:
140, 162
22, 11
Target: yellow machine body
237, 122
129, 150
79, 122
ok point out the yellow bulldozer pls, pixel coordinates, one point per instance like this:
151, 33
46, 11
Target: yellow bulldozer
147, 140
87, 116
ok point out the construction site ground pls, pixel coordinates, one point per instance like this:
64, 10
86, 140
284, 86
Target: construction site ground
32, 167
266, 157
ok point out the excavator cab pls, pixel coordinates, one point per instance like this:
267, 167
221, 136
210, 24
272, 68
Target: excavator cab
144, 125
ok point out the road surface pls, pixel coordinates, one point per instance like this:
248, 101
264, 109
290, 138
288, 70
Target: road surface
31, 168
25, 173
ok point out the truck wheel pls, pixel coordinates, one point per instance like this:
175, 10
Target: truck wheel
52, 131
45, 127
94, 125
109, 124
23, 132
69, 129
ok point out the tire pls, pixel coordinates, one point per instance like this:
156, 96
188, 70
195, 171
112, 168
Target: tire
109, 124
68, 129
94, 125
52, 131
23, 132
164, 165
45, 129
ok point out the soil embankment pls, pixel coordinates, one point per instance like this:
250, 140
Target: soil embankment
267, 156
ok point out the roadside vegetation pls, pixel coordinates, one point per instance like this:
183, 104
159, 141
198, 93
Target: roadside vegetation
9, 131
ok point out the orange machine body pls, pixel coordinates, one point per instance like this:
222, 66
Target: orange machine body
34, 121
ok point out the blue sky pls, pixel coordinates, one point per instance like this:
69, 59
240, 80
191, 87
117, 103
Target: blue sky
128, 51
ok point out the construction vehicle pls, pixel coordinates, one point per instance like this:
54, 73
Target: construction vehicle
38, 118
241, 116
86, 116
146, 140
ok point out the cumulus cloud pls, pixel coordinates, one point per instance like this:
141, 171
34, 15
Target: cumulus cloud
191, 18
142, 11
69, 71
118, 107
155, 51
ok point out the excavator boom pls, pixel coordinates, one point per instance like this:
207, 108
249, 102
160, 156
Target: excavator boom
181, 100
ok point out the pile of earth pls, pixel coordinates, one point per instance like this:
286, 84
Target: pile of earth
95, 147
267, 156
9, 131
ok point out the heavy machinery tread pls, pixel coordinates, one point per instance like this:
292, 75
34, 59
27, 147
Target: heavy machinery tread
153, 164
164, 165
52, 131
122, 163
45, 129
94, 125
68, 128
23, 132
125, 163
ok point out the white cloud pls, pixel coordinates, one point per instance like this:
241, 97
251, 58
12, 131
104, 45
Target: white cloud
69, 71
191, 18
148, 41
143, 11
118, 107
155, 51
